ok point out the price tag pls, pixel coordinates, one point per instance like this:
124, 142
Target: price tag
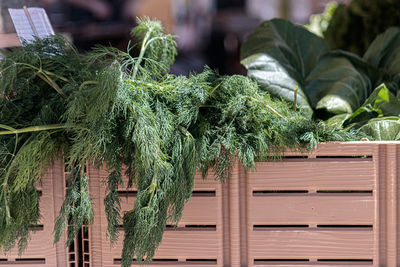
30, 23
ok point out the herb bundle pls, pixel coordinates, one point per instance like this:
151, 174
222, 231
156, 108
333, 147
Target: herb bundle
107, 107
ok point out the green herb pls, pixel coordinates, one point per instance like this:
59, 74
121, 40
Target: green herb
108, 107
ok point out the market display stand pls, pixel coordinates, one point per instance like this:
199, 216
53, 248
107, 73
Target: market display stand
338, 206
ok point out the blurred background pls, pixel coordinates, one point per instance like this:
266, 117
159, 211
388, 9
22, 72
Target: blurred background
209, 32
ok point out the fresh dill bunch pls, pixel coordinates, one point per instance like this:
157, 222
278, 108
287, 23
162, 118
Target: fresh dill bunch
109, 107
36, 85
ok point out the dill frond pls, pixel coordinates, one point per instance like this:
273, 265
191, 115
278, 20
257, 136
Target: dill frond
119, 110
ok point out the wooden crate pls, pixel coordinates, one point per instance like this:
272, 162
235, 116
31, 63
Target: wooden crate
41, 251
197, 241
338, 206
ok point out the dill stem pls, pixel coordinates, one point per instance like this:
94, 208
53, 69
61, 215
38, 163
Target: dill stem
213, 90
88, 83
34, 129
273, 111
295, 98
268, 107
50, 82
141, 54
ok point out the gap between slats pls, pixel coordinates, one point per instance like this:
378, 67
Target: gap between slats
195, 193
19, 261
266, 193
188, 261
318, 227
188, 227
294, 262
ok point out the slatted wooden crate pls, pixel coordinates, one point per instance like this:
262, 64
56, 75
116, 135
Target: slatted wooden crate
338, 206
40, 250
197, 241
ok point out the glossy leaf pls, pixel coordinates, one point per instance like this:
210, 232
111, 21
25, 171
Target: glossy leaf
339, 83
386, 128
384, 53
280, 56
380, 103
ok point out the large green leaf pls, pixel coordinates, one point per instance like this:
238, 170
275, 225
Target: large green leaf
381, 103
384, 53
386, 128
339, 83
280, 55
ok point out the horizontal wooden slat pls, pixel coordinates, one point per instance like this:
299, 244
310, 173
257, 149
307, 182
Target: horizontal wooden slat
311, 209
199, 210
209, 183
184, 244
311, 243
346, 148
179, 263
313, 174
313, 264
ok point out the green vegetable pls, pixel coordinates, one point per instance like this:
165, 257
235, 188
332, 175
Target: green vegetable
384, 54
333, 84
108, 107
280, 56
379, 115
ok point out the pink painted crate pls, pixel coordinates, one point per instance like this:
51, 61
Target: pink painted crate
338, 206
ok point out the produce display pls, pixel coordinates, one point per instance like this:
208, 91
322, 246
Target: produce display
337, 86
109, 107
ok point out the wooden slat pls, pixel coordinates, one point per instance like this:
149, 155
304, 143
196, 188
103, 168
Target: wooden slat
311, 209
9, 40
199, 210
345, 148
41, 244
313, 174
315, 244
98, 228
178, 263
183, 244
314, 264
209, 183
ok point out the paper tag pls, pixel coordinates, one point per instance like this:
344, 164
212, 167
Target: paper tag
23, 26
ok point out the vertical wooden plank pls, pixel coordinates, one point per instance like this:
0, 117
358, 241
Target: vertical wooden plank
391, 202
226, 225
249, 224
234, 217
397, 173
57, 175
387, 215
377, 212
220, 224
235, 244
243, 215
95, 233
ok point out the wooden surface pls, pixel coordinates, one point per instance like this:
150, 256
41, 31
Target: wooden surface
9, 40
338, 206
40, 250
312, 174
197, 241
